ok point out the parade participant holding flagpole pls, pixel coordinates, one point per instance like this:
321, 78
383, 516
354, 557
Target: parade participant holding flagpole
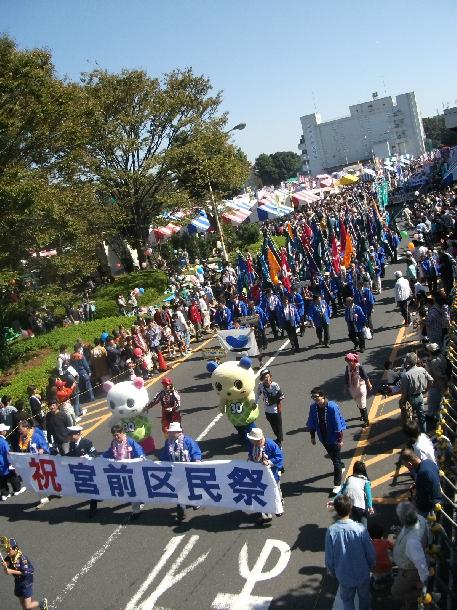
16, 564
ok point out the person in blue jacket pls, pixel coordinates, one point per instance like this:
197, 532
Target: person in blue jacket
260, 333
356, 321
319, 314
297, 299
325, 420
7, 473
180, 448
223, 316
237, 307
124, 448
31, 438
265, 451
18, 565
364, 297
289, 320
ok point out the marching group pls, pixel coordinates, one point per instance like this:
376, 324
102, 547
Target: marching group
310, 289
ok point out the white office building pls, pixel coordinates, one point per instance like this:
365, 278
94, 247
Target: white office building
382, 127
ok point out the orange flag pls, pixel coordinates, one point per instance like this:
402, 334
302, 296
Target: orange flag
348, 251
273, 266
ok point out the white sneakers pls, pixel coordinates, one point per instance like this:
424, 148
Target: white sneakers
21, 491
5, 498
336, 489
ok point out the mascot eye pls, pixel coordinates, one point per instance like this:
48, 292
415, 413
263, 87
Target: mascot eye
130, 403
112, 404
238, 384
218, 386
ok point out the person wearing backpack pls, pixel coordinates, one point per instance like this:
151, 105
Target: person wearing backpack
358, 488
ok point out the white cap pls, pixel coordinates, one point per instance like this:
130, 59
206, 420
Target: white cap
433, 347
174, 426
398, 274
255, 434
75, 429
4, 427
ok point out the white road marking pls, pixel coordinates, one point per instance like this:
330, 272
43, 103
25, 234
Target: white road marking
171, 576
85, 569
244, 599
102, 550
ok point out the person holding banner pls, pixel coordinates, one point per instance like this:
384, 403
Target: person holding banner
18, 565
265, 451
123, 447
180, 448
7, 473
82, 447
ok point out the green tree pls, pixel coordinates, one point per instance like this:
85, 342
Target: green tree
149, 144
277, 167
436, 131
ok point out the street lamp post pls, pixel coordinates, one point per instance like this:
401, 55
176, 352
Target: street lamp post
238, 127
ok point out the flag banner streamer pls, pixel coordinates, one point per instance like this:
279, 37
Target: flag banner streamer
239, 340
235, 484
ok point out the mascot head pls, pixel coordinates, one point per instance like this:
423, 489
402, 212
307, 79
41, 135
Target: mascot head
232, 380
127, 398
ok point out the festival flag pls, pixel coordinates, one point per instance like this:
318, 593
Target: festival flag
264, 268
290, 231
335, 256
273, 266
285, 270
306, 236
343, 234
348, 251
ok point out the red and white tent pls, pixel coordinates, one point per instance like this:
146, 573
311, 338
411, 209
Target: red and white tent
161, 233
300, 198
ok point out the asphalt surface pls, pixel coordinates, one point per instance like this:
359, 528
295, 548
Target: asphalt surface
220, 558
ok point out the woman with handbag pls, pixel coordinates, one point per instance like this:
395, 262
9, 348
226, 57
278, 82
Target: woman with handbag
357, 383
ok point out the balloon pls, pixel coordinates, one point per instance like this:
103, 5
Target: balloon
404, 234
104, 336
141, 290
411, 246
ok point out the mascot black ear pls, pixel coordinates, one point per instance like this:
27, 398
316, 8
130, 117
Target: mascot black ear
245, 362
212, 366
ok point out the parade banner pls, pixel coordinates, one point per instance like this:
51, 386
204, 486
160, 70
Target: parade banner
239, 340
235, 484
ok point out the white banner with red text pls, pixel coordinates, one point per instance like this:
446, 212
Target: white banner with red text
236, 484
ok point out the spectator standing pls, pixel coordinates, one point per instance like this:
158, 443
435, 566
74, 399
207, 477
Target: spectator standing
7, 411
350, 556
437, 366
414, 381
419, 442
63, 358
99, 362
427, 492
403, 295
325, 420
79, 363
57, 423
358, 487
408, 555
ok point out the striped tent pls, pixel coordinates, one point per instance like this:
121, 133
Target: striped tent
269, 211
200, 224
162, 233
237, 210
301, 198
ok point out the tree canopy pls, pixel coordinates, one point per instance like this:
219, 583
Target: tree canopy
275, 168
436, 131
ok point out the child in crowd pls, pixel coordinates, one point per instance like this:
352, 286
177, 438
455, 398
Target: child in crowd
358, 488
382, 572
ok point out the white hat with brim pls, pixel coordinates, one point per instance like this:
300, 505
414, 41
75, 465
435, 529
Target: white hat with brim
75, 429
175, 426
433, 347
4, 428
255, 434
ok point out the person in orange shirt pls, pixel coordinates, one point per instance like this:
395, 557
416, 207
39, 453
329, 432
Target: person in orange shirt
382, 572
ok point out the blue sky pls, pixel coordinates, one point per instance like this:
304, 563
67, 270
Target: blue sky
274, 61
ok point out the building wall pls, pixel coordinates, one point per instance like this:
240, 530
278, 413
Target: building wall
382, 124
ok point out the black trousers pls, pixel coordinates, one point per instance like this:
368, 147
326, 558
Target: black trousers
275, 421
261, 338
356, 337
11, 478
292, 334
334, 452
323, 330
432, 283
404, 308
273, 323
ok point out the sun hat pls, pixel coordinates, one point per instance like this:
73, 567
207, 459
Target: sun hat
255, 434
167, 381
174, 426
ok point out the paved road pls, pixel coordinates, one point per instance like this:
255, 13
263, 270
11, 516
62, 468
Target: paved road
218, 559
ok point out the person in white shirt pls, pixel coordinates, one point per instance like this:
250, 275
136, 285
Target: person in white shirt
409, 556
272, 398
419, 442
203, 305
402, 296
63, 358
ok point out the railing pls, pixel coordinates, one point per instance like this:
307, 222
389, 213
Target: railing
441, 589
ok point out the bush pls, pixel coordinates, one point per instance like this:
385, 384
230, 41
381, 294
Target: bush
38, 375
153, 282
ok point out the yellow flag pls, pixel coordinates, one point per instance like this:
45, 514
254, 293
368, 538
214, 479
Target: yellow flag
273, 266
348, 251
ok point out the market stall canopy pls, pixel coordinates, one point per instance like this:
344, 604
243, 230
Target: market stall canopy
162, 233
348, 179
200, 224
269, 211
300, 198
237, 210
